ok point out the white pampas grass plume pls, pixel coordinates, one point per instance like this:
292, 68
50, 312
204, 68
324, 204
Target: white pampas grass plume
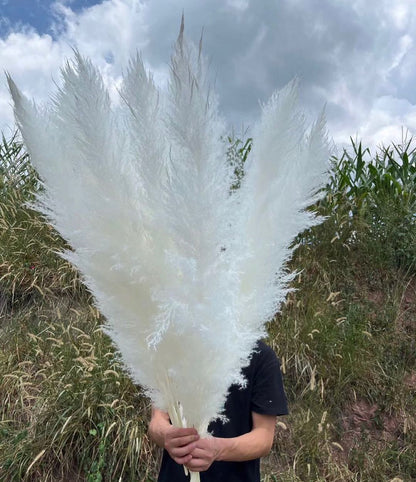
285, 172
185, 272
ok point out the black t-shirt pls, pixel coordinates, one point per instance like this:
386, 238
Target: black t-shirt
263, 394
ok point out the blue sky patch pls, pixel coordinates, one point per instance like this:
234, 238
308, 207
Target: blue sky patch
38, 14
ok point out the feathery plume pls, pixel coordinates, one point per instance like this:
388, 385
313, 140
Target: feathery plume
185, 273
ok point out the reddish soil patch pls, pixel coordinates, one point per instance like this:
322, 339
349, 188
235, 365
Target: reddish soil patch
363, 420
406, 321
377, 297
409, 380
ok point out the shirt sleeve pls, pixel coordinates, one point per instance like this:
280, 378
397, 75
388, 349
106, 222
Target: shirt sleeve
268, 395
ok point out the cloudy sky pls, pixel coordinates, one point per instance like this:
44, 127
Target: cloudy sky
356, 56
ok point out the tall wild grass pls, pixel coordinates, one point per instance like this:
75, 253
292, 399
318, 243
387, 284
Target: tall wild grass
345, 337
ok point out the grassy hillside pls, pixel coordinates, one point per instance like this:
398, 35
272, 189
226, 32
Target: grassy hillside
346, 339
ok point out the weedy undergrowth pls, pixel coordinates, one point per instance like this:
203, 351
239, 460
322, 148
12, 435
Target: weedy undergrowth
29, 265
68, 407
345, 337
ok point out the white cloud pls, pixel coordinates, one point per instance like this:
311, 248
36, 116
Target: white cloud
387, 118
358, 57
405, 45
239, 5
108, 33
400, 12
31, 59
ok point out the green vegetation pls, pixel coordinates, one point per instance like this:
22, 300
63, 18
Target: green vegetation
346, 339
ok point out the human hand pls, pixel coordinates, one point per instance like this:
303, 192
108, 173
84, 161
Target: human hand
180, 442
205, 452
